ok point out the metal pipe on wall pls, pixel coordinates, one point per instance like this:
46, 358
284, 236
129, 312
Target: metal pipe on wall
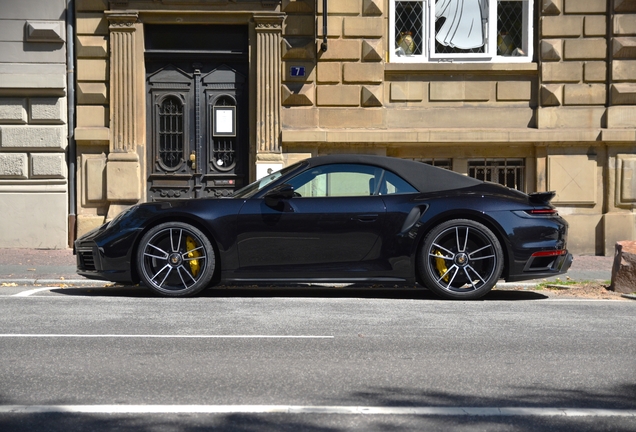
70, 103
323, 45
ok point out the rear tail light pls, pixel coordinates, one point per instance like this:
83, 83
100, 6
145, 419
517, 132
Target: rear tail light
542, 212
550, 253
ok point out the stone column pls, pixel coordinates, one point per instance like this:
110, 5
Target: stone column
268, 84
123, 169
122, 82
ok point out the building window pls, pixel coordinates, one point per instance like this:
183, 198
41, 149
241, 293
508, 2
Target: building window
171, 132
224, 136
440, 163
461, 30
507, 172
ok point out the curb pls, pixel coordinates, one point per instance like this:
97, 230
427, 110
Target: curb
517, 284
34, 282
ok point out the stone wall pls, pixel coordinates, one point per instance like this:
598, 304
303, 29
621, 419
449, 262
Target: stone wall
588, 76
347, 76
92, 132
619, 222
111, 86
570, 114
33, 131
588, 64
354, 87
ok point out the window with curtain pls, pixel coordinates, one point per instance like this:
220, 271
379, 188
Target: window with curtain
461, 30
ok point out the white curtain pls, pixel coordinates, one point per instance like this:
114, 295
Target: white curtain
463, 27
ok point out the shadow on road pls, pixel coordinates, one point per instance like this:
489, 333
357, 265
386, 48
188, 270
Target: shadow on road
296, 291
616, 396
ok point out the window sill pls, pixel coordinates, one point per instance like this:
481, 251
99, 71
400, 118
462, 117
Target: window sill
517, 68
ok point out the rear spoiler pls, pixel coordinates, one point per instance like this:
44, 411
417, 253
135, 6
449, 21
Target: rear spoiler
541, 197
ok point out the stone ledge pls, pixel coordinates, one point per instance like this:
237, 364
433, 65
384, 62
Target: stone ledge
415, 136
35, 81
619, 135
19, 186
473, 68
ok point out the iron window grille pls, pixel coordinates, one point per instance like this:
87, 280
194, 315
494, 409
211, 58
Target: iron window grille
440, 163
461, 30
170, 115
224, 147
507, 172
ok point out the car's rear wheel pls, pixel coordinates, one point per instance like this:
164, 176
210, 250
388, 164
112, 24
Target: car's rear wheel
461, 259
175, 259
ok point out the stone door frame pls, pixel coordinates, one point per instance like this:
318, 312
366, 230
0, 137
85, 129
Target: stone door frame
126, 165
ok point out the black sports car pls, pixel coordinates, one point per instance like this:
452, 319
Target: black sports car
337, 218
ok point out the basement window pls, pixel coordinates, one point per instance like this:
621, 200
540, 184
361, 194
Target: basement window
440, 163
507, 172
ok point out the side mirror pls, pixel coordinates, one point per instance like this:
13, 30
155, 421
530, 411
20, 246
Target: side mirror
278, 194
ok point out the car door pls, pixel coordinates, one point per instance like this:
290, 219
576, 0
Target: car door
330, 228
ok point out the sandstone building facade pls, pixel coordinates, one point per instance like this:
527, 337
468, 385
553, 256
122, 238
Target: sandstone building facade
194, 98
33, 124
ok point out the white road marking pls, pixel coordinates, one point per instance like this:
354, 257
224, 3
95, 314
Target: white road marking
309, 409
29, 292
49, 335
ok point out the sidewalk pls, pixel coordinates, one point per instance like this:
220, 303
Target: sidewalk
38, 266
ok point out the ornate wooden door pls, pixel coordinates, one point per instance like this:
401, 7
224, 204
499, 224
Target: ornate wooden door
197, 130
197, 110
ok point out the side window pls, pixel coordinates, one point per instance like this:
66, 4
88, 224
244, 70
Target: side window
340, 180
393, 184
337, 180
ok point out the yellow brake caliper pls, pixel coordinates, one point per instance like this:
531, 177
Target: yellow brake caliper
194, 264
440, 264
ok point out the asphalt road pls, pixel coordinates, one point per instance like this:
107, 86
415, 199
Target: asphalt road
315, 360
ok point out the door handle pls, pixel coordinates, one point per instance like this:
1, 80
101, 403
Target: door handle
365, 218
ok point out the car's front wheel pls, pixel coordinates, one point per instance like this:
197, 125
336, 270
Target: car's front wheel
175, 259
460, 259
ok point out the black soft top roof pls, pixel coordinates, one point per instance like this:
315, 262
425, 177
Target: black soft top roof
425, 178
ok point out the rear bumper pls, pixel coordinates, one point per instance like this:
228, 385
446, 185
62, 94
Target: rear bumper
541, 268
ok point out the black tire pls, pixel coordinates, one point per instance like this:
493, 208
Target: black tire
460, 259
175, 259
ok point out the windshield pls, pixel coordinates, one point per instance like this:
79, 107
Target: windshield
253, 188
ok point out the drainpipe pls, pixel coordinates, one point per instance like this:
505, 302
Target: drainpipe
70, 102
323, 45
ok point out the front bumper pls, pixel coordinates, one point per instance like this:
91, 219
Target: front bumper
90, 265
105, 254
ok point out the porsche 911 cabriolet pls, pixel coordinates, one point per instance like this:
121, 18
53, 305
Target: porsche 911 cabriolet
336, 218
